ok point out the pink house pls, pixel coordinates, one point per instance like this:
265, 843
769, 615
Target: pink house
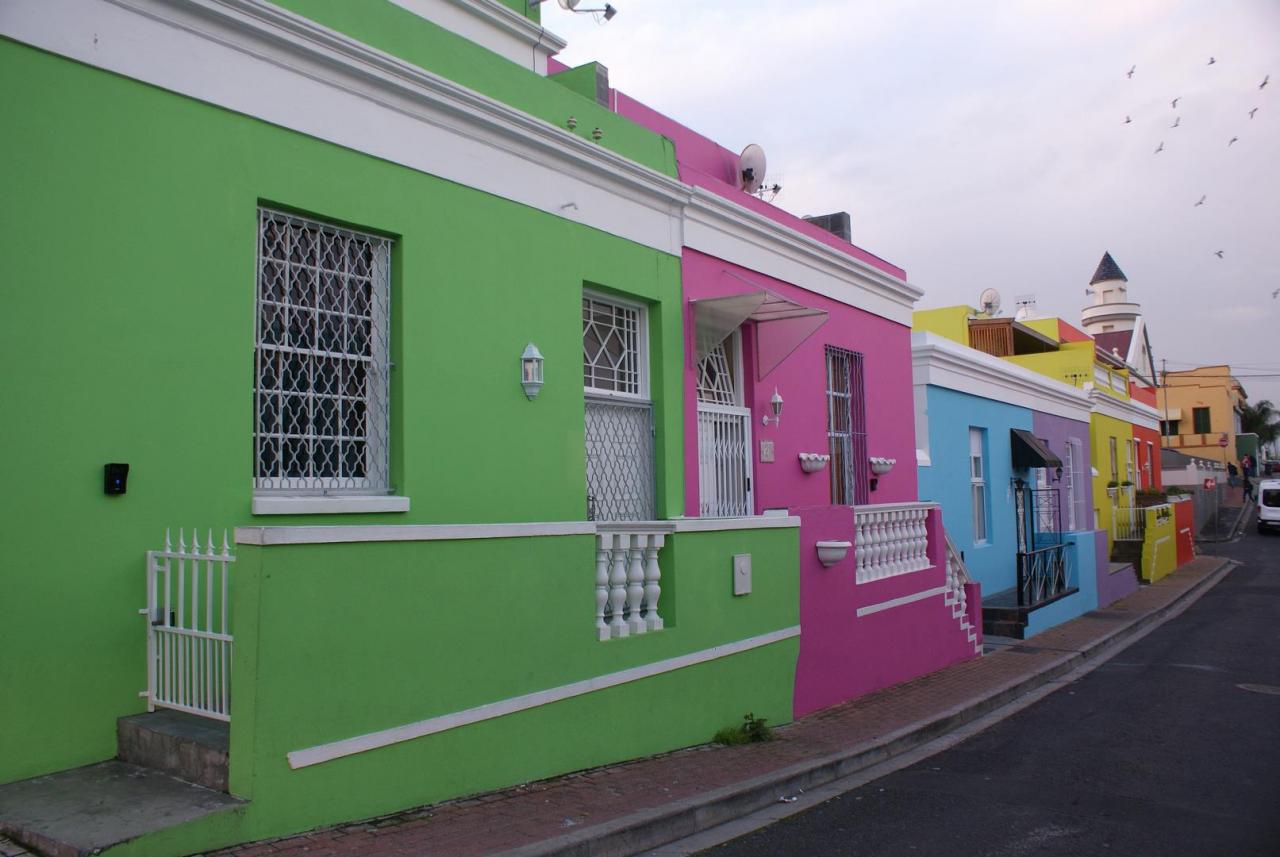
798, 400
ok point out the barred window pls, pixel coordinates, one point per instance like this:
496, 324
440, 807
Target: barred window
847, 428
322, 358
619, 417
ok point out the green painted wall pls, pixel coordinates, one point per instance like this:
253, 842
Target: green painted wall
129, 232
336, 641
403, 34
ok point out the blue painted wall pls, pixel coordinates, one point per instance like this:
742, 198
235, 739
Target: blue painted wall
946, 480
1083, 564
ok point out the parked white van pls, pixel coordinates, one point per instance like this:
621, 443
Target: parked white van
1268, 504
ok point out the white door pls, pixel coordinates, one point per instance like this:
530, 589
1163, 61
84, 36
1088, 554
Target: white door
724, 435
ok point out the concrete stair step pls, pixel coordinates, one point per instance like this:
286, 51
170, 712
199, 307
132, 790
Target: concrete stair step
191, 748
86, 810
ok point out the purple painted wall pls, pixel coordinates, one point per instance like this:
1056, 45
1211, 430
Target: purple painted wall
843, 655
801, 381
1056, 430
1112, 586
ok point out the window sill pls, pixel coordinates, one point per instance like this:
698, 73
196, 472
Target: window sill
328, 505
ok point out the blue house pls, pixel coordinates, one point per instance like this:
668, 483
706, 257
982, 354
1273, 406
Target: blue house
1005, 452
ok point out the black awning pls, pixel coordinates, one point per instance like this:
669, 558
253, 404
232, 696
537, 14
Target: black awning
1030, 451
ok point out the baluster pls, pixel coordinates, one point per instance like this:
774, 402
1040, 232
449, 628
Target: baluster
859, 546
894, 560
922, 539
617, 585
635, 584
881, 526
602, 583
652, 587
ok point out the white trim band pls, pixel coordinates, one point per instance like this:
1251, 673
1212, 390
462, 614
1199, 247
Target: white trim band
721, 228
267, 505
407, 533
1125, 410
939, 362
255, 58
386, 737
898, 602
756, 522
492, 25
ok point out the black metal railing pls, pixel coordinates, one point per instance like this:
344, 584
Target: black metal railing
1042, 574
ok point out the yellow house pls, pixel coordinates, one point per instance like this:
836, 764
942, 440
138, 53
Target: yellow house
1062, 352
1197, 408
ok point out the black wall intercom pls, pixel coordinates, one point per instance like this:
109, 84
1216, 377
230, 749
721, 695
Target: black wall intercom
115, 478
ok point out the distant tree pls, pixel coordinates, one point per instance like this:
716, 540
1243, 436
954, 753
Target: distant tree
1262, 419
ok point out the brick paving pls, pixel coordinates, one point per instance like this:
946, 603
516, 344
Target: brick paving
542, 811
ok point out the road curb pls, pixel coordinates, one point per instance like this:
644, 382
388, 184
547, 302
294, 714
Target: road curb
651, 828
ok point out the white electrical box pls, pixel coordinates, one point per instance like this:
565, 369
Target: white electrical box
742, 574
766, 450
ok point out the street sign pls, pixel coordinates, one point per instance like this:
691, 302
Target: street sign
1222, 441
1210, 484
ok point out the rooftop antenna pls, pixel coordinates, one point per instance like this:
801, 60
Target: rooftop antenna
989, 302
1026, 305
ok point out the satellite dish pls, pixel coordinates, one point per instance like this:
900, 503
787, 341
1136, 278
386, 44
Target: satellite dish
989, 301
751, 162
569, 4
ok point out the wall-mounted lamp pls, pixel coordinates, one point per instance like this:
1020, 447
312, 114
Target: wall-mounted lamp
775, 405
531, 370
1057, 473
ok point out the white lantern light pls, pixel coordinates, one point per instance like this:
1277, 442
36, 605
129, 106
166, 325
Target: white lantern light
531, 370
775, 404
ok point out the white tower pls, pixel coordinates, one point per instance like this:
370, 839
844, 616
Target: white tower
1116, 322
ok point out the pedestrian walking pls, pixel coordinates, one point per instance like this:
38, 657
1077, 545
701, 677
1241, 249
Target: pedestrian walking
1248, 488
1233, 474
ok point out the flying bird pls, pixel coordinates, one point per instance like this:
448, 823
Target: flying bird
1132, 69
1200, 201
1159, 148
1176, 122
1128, 120
1212, 60
1218, 253
1174, 103
1232, 140
1253, 111
1264, 82
1275, 293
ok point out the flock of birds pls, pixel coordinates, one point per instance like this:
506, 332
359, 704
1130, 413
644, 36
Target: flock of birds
1177, 121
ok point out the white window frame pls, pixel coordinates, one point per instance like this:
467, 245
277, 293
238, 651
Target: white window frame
639, 399
642, 349
1150, 466
275, 492
978, 485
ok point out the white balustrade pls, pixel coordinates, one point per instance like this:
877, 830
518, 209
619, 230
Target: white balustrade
891, 539
628, 579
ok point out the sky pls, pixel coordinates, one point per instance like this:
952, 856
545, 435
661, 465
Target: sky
984, 144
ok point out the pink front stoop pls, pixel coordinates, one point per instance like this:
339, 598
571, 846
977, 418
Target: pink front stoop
844, 655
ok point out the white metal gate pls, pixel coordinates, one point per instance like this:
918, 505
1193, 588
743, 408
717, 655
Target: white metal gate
724, 461
188, 627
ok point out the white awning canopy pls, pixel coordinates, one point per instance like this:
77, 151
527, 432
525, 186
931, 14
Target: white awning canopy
1171, 414
781, 325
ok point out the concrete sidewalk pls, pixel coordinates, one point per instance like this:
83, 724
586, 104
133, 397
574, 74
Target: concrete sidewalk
638, 805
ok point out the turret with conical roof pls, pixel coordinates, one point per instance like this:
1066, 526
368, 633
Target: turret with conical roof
1108, 270
1113, 320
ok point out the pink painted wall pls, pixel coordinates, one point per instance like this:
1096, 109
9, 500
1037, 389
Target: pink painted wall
704, 163
801, 381
844, 656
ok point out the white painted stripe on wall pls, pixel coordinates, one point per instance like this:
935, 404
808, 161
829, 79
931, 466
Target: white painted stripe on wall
258, 59
318, 535
407, 533
350, 746
491, 25
898, 602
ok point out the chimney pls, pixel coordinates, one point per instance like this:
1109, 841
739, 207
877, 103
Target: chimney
837, 224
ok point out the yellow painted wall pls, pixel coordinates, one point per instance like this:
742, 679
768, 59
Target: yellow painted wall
1159, 545
1101, 430
1209, 387
949, 321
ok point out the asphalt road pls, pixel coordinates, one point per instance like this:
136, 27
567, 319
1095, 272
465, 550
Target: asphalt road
1159, 751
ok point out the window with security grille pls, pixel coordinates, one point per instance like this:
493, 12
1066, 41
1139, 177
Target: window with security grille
847, 428
322, 358
618, 413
